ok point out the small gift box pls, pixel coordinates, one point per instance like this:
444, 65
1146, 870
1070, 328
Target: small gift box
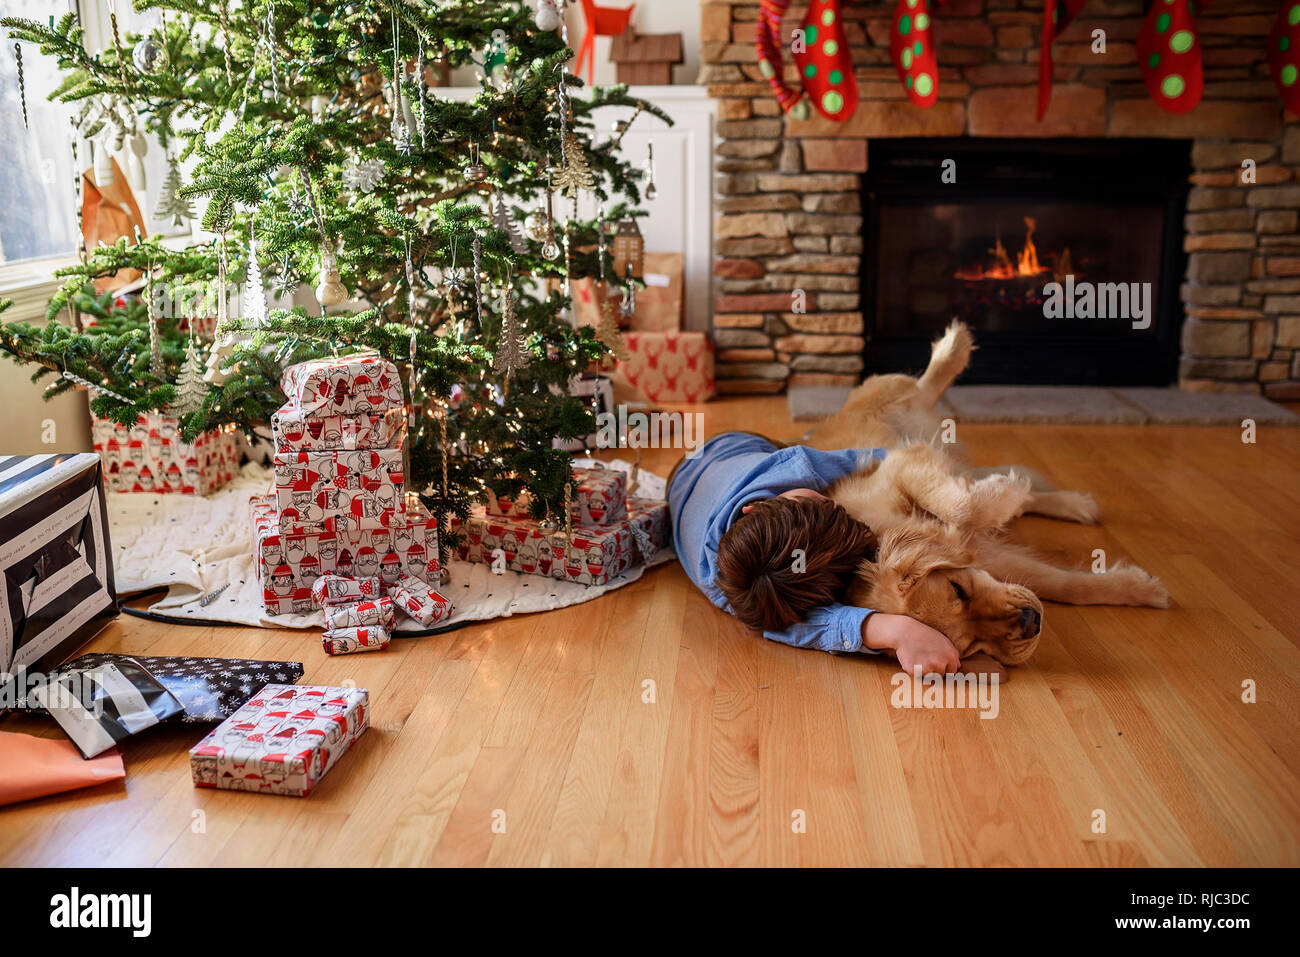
349, 385
292, 430
347, 641
357, 614
420, 602
339, 491
669, 366
150, 457
649, 518
283, 741
330, 590
599, 498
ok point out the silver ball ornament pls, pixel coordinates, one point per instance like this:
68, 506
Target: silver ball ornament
550, 250
535, 226
150, 56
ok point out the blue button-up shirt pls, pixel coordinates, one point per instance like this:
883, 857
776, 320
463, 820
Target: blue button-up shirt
710, 489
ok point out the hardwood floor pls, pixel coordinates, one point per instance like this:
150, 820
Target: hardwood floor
649, 728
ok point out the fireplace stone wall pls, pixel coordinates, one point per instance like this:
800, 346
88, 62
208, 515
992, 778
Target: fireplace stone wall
788, 237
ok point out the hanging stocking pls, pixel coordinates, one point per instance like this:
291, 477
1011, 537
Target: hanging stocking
1169, 52
1284, 55
911, 47
823, 58
1057, 15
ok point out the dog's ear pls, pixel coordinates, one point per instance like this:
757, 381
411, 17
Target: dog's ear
911, 551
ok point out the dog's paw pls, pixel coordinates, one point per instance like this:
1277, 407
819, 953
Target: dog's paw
997, 499
1079, 507
1140, 586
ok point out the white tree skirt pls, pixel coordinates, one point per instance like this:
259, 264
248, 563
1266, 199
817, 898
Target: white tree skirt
195, 545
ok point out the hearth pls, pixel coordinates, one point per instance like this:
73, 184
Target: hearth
1065, 256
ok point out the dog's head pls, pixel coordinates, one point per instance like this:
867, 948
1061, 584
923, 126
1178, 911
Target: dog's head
928, 572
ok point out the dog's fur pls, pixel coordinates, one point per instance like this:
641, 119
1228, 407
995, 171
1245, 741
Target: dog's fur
943, 558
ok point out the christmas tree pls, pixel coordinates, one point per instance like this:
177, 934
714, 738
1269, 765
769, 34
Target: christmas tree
313, 126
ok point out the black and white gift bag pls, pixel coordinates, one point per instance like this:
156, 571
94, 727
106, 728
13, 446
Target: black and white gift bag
56, 570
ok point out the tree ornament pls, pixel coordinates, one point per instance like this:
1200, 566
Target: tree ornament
267, 42
1169, 53
535, 225
190, 387
911, 48
171, 203
550, 248
607, 330
254, 295
576, 172
548, 15
93, 387
223, 346
475, 172
503, 221
365, 176
629, 249
150, 56
650, 190
285, 282
511, 352
1284, 55
331, 291
628, 306
22, 86
478, 277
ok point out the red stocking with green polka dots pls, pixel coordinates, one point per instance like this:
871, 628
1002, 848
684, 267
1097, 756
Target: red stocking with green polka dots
911, 47
1284, 54
1169, 51
821, 54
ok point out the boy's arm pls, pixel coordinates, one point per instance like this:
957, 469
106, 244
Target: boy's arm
847, 628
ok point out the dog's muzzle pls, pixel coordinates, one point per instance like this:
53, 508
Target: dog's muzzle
1031, 622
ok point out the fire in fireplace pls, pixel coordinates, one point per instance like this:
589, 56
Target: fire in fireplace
1064, 255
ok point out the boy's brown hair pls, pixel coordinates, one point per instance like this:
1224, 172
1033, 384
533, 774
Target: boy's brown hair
757, 568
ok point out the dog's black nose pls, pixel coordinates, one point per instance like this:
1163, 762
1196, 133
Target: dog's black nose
1031, 621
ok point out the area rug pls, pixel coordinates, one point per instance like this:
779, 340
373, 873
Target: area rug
1072, 405
201, 549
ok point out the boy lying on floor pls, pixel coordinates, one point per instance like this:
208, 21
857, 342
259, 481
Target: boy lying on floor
743, 509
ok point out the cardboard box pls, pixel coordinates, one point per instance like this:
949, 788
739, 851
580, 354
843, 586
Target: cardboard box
283, 741
670, 366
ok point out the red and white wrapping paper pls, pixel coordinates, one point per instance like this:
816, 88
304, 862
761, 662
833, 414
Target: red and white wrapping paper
649, 517
328, 491
288, 564
350, 385
150, 457
357, 614
669, 366
420, 602
330, 590
599, 498
292, 430
347, 641
283, 741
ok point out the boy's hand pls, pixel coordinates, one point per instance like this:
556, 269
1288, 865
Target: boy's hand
916, 645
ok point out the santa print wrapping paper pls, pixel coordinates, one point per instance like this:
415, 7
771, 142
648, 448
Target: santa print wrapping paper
596, 554
333, 491
358, 614
669, 366
150, 457
420, 602
350, 385
346, 641
283, 741
599, 498
288, 565
330, 590
292, 430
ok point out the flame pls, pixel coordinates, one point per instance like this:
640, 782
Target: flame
1026, 262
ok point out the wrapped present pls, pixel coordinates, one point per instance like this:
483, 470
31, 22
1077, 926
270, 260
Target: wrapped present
337, 590
379, 611
292, 430
211, 689
288, 564
649, 518
669, 366
347, 641
419, 601
56, 570
339, 491
596, 553
599, 498
150, 456
283, 741
350, 385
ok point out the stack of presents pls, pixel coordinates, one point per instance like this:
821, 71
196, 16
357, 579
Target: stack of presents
665, 363
337, 513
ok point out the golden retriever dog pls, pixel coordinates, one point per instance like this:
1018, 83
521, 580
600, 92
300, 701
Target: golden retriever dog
943, 557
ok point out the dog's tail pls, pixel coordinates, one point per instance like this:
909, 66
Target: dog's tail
949, 356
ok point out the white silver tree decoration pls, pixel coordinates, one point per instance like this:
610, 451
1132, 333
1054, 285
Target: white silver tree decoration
170, 201
365, 176
503, 221
254, 295
190, 387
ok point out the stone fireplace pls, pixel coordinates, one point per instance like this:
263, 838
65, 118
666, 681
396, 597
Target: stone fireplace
799, 297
